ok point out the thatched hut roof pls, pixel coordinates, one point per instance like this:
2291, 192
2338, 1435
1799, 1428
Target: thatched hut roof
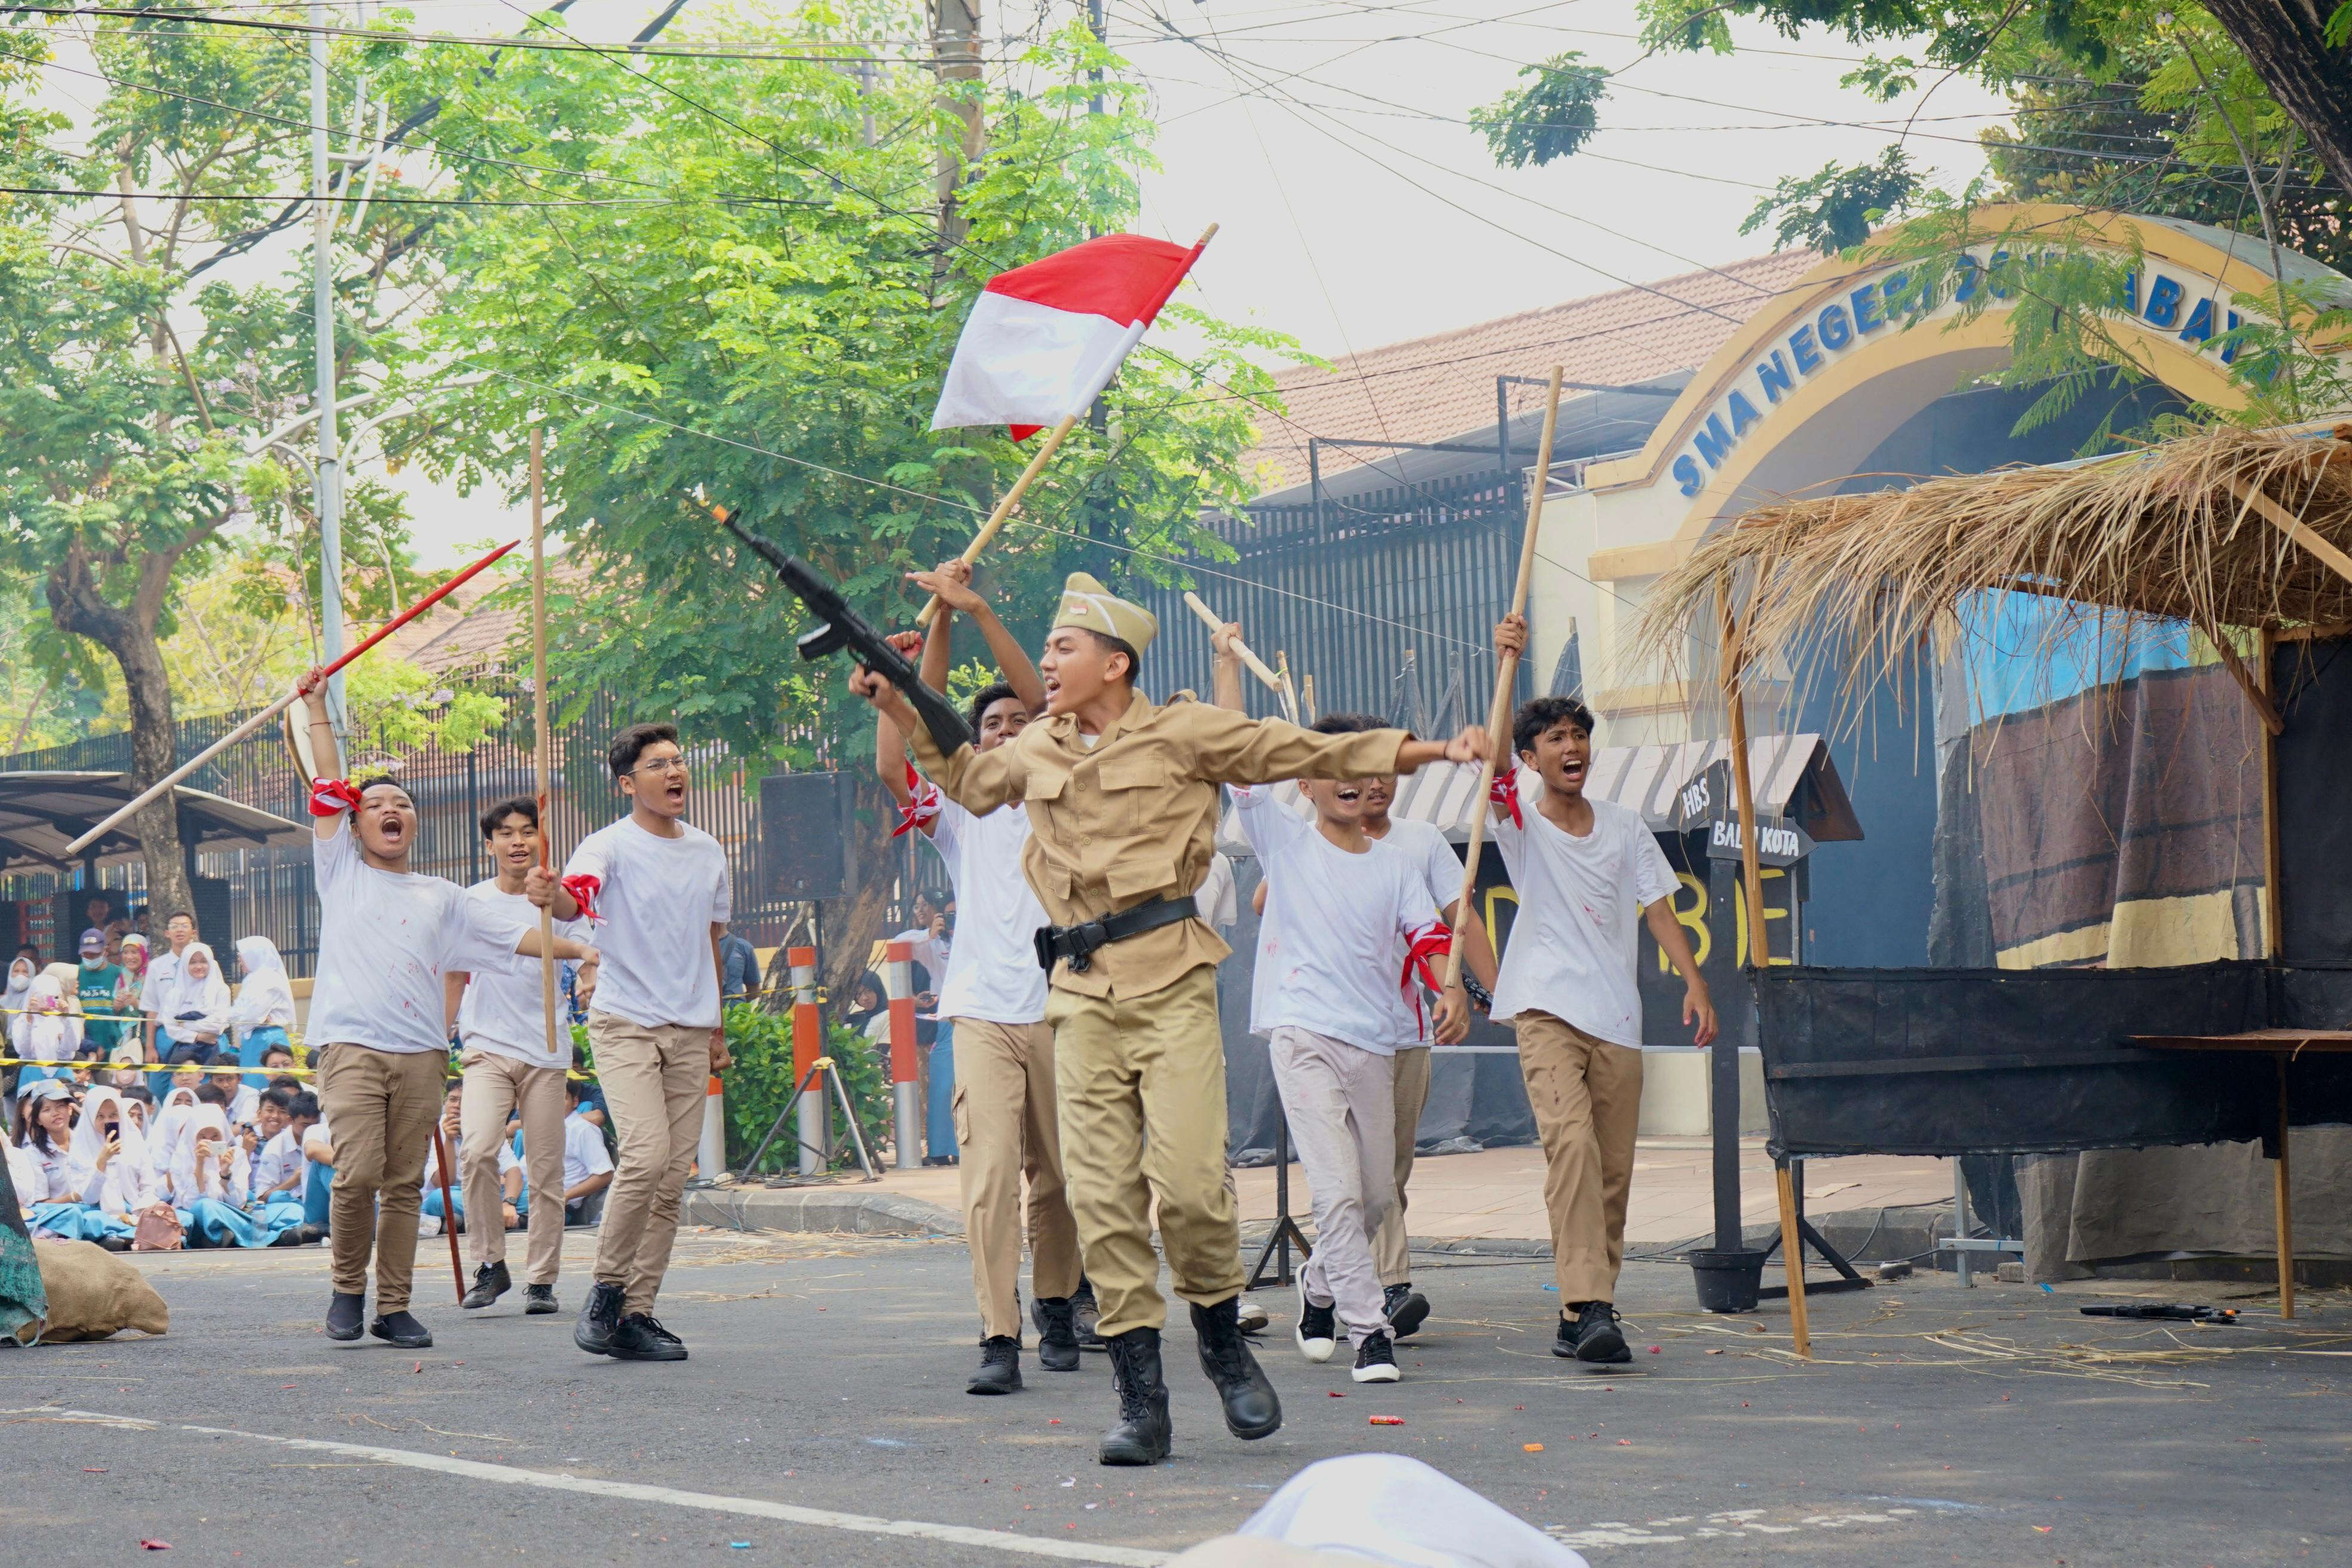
2228, 528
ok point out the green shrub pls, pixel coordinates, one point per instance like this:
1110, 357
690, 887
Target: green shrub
760, 1084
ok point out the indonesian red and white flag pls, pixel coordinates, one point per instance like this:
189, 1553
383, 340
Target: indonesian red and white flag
1043, 340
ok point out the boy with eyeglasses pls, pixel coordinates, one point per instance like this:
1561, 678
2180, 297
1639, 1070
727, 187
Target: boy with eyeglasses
658, 892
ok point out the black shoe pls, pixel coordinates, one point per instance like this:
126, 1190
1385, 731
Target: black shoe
490, 1282
311, 1235
1407, 1310
640, 1337
1058, 1333
1252, 1409
1000, 1367
402, 1331
122, 1243
538, 1299
345, 1314
1084, 1311
1144, 1433
1563, 1339
1598, 1337
1376, 1360
598, 1319
1316, 1332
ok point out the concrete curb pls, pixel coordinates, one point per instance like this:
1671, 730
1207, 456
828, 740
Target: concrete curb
848, 1209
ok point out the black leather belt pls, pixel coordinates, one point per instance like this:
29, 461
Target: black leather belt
1077, 943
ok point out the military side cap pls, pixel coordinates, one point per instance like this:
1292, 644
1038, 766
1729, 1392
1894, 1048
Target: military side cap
1086, 603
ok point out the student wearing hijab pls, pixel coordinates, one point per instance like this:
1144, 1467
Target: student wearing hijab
179, 1103
68, 1187
20, 986
211, 1179
194, 1006
42, 1028
265, 1004
109, 1142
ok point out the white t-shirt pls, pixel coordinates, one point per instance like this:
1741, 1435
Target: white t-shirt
1216, 897
1425, 846
1331, 947
992, 970
384, 939
585, 1154
507, 1161
503, 1011
1573, 941
656, 900
245, 1109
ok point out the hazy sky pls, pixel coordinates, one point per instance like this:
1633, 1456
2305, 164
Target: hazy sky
1327, 139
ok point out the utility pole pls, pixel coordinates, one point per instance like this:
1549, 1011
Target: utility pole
955, 44
329, 475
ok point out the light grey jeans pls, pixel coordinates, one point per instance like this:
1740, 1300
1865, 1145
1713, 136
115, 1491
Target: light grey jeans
1341, 1102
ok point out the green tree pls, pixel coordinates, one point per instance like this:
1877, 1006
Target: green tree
740, 298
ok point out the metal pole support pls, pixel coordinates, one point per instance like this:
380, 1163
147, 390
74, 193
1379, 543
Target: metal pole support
1961, 1225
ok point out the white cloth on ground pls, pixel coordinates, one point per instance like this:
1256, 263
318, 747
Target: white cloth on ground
1386, 1508
656, 900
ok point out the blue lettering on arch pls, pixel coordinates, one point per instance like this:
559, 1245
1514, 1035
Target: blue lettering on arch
1687, 474
1867, 317
1714, 442
1832, 325
1772, 374
1743, 415
2163, 302
1801, 350
2128, 293
2200, 324
2230, 349
1970, 274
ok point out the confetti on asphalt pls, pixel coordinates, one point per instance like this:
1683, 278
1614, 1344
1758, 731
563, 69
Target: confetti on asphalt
418, 1367
1624, 1442
739, 1546
1056, 1421
87, 1471
1531, 1447
1654, 1349
155, 1545
1386, 1421
1335, 1393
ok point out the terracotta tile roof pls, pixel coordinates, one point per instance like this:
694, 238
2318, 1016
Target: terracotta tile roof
473, 636
1437, 388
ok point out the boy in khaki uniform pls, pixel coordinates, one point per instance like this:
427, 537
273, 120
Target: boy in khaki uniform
1122, 803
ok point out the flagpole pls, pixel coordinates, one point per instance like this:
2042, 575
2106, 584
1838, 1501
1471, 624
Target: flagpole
280, 705
1144, 318
541, 737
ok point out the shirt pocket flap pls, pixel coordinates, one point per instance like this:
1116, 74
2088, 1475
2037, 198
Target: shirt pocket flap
1134, 876
1127, 773
1044, 782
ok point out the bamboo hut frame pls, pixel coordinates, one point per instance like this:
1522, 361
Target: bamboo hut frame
2226, 528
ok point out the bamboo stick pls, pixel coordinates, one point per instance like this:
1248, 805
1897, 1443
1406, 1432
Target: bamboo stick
1005, 508
1250, 661
542, 739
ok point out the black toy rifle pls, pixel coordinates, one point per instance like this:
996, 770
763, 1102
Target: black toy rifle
846, 628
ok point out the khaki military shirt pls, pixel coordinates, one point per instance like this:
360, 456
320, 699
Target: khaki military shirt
1133, 817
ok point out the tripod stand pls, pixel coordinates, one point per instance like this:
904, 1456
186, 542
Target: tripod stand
821, 1072
1286, 1229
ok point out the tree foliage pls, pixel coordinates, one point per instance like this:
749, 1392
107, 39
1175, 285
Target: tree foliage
1837, 207
1549, 118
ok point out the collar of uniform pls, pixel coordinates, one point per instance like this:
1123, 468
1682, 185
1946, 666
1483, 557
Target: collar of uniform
1065, 727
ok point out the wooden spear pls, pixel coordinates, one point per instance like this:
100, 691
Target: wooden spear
1506, 666
542, 741
1254, 665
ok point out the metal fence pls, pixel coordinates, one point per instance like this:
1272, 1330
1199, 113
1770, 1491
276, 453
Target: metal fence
270, 890
1387, 599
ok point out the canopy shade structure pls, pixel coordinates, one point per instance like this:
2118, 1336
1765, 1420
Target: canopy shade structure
2228, 528
41, 813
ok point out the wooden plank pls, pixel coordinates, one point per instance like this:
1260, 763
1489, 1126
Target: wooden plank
2295, 528
2273, 906
2278, 1042
2264, 709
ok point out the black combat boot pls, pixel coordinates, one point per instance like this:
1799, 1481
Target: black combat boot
1000, 1367
1058, 1333
491, 1281
1252, 1410
1143, 1434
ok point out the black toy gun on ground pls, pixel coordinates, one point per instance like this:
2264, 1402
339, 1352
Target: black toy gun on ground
846, 628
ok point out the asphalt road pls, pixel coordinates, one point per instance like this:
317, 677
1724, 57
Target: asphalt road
822, 1420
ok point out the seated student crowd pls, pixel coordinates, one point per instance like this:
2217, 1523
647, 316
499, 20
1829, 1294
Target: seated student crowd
587, 1164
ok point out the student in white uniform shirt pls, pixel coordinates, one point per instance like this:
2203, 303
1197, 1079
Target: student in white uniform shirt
378, 1011
587, 1165
1582, 868
508, 1068
1332, 973
243, 1102
501, 1199
659, 892
993, 993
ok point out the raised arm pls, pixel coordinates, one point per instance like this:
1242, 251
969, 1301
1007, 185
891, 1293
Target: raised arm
1230, 749
889, 740
1225, 668
324, 751
978, 784
952, 583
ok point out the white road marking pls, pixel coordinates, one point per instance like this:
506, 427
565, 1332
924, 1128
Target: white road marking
1734, 1524
631, 1491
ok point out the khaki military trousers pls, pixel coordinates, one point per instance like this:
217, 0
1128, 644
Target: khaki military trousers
1586, 1095
1141, 1098
1005, 1133
1409, 1078
654, 1082
380, 1107
495, 1085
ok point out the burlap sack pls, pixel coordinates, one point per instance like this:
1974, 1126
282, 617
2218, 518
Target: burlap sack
93, 1293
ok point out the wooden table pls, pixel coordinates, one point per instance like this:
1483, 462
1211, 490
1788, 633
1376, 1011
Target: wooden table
2283, 1046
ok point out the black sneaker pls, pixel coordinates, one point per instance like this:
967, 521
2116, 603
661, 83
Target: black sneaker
1000, 1367
1598, 1337
1084, 1311
402, 1331
490, 1282
346, 1314
1563, 1339
640, 1337
538, 1299
1058, 1333
1318, 1329
1376, 1360
598, 1319
1407, 1310
1252, 1409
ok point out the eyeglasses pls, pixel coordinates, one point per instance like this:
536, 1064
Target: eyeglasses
665, 766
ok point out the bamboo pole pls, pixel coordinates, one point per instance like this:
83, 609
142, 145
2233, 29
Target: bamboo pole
2273, 911
1005, 508
269, 713
1251, 661
541, 739
1506, 666
448, 1204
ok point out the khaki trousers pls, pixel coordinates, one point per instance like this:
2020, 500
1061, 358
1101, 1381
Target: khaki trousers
1140, 1085
654, 1082
1005, 1130
1586, 1095
379, 1109
1409, 1079
495, 1085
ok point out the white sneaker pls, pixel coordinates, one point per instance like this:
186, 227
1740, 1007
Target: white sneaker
1251, 1317
1315, 1332
1376, 1360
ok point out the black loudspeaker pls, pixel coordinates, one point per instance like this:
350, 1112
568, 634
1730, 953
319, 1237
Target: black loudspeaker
803, 827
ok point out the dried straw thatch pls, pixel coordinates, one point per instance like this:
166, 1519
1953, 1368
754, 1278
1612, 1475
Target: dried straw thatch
2164, 533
